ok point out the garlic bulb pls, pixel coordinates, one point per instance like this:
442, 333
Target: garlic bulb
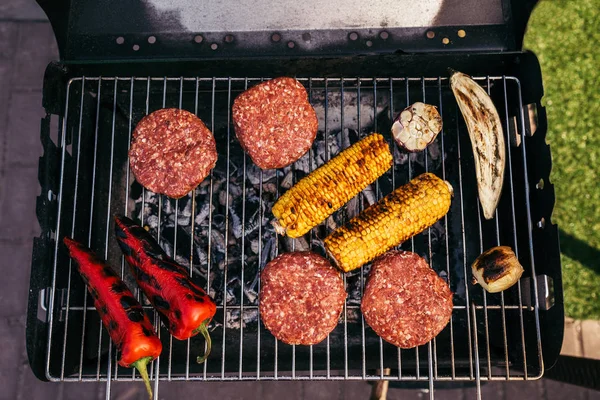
417, 126
497, 269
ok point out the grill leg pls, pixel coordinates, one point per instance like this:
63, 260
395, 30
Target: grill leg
380, 388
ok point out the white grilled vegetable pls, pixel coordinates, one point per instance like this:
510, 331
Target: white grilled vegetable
497, 269
487, 139
417, 126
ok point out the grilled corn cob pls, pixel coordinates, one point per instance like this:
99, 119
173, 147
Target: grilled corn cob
323, 191
405, 212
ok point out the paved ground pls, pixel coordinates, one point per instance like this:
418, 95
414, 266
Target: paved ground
25, 49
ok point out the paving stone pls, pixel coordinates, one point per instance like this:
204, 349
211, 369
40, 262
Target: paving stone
29, 387
12, 345
5, 70
8, 43
17, 204
218, 390
8, 39
21, 10
282, 390
489, 390
590, 337
322, 390
356, 390
554, 390
572, 343
23, 145
81, 391
189, 390
449, 394
593, 394
36, 48
14, 285
128, 390
408, 394
523, 390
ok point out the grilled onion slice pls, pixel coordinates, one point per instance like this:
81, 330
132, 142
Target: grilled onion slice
497, 269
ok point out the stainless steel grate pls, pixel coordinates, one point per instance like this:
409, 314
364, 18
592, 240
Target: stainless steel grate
221, 231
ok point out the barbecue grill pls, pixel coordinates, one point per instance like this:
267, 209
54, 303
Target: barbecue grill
121, 61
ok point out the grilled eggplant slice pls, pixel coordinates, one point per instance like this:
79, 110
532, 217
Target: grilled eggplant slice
487, 139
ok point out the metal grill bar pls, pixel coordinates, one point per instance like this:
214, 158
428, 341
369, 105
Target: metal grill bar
288, 377
536, 308
243, 242
464, 243
350, 307
99, 115
441, 110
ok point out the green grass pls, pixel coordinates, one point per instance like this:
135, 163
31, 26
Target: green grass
565, 35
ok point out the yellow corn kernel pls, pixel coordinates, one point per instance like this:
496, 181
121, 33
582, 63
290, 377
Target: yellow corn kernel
405, 212
329, 187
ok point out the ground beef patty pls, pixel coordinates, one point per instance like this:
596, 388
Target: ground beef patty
301, 297
172, 151
405, 301
274, 122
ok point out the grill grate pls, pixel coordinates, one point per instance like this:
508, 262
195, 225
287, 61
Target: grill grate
221, 231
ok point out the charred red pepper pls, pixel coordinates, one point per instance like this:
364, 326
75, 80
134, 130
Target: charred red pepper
122, 315
185, 308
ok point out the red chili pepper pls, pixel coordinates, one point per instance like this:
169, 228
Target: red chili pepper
122, 315
185, 308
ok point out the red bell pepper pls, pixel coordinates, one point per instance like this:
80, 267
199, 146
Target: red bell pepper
122, 315
185, 308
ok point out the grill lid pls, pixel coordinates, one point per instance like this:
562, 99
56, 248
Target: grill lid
167, 29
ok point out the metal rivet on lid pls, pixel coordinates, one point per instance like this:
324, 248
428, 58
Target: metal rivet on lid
120, 40
198, 38
276, 37
369, 43
291, 44
228, 38
384, 35
353, 36
445, 40
430, 34
461, 33
136, 47
306, 37
151, 39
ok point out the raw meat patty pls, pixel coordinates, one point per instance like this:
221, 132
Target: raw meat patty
405, 301
301, 297
172, 151
274, 122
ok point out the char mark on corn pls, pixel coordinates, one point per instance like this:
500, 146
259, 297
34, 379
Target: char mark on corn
405, 212
329, 187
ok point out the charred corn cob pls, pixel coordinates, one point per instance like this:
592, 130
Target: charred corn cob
405, 212
323, 191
